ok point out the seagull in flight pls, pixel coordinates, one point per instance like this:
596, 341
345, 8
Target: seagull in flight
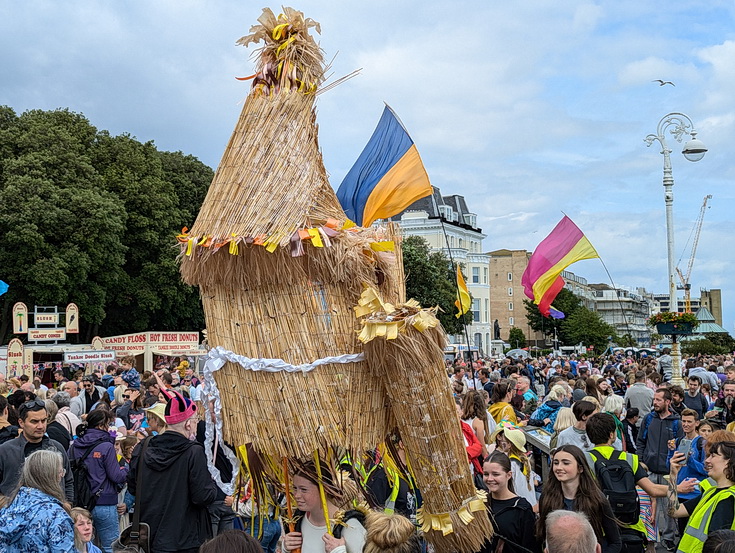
662, 83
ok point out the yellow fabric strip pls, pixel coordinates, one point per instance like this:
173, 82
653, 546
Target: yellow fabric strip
582, 250
405, 182
316, 238
385, 246
322, 495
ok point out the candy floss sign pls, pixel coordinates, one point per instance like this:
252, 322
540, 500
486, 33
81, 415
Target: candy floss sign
136, 344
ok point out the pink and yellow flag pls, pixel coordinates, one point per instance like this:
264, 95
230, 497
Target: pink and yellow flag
542, 280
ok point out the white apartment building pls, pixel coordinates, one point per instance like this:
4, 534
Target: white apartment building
424, 218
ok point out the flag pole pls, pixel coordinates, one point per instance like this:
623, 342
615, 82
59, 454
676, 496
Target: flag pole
456, 284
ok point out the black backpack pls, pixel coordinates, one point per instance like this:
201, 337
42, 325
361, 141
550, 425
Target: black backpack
84, 497
617, 481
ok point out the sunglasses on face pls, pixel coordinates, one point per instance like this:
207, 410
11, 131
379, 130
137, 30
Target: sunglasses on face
126, 397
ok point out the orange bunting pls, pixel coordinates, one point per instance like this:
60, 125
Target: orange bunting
246, 78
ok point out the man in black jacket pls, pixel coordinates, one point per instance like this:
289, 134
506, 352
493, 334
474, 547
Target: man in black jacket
176, 486
32, 420
658, 434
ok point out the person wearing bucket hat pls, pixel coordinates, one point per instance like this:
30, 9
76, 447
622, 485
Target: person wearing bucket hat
156, 418
174, 466
512, 441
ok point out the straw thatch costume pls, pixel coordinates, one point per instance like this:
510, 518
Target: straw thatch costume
280, 272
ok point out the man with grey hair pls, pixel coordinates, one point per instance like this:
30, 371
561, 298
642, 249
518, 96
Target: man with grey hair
570, 532
65, 417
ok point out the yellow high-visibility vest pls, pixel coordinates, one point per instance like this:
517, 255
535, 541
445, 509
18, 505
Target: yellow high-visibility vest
697, 529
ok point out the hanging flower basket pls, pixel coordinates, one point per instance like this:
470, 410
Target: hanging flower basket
674, 328
673, 323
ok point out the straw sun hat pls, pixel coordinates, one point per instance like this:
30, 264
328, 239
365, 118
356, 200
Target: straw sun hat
513, 435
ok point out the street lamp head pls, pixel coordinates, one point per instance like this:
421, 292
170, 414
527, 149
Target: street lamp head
694, 149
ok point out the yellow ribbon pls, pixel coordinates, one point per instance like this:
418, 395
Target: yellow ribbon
316, 238
322, 495
233, 245
271, 243
202, 241
285, 44
384, 246
424, 320
442, 522
279, 31
189, 247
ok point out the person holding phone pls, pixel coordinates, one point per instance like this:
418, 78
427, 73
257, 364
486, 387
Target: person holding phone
712, 510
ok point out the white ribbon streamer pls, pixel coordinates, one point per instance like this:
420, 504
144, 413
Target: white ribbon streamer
216, 359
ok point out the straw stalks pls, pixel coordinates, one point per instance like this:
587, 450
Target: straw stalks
430, 430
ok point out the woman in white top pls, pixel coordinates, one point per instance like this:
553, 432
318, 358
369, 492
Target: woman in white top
313, 536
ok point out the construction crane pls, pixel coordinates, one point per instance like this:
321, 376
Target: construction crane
694, 238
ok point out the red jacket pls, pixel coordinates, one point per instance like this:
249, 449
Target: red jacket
474, 447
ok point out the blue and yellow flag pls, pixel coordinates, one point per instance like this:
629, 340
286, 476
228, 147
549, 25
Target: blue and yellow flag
387, 177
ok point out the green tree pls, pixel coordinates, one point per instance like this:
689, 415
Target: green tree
60, 231
587, 327
567, 303
516, 338
91, 218
722, 340
702, 346
430, 281
162, 193
626, 340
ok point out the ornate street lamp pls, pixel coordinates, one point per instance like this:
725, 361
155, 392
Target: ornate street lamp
694, 150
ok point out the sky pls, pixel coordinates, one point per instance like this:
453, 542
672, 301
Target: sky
529, 109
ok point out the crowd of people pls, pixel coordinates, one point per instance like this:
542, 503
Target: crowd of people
632, 461
645, 461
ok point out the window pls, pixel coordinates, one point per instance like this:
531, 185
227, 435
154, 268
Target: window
484, 275
511, 321
510, 290
510, 277
478, 340
476, 310
475, 275
510, 306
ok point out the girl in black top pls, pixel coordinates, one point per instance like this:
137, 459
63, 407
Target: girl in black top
512, 516
571, 486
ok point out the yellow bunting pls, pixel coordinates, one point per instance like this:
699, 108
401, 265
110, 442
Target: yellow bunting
233, 245
189, 247
348, 224
316, 238
322, 495
385, 246
203, 241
